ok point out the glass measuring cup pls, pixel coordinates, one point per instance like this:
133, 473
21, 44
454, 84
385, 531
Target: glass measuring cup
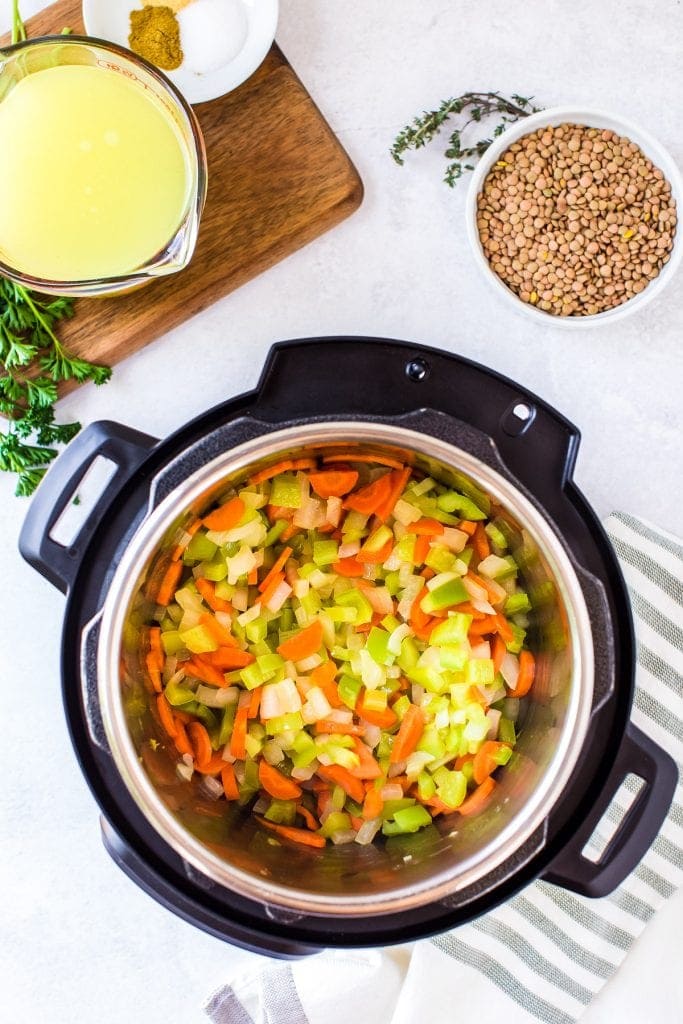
24, 59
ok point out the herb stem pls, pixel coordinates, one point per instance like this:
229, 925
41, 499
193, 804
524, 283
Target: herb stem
18, 27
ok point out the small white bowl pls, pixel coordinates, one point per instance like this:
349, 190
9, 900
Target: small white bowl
110, 19
594, 119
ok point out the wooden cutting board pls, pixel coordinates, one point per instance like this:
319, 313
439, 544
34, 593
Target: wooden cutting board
278, 178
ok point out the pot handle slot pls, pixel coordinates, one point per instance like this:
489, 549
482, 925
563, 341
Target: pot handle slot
57, 529
657, 772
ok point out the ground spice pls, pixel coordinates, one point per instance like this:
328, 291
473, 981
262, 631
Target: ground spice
155, 35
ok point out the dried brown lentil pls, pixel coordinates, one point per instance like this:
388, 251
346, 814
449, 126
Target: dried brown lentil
580, 209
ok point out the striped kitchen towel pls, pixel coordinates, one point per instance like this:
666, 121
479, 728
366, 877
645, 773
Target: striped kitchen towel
545, 954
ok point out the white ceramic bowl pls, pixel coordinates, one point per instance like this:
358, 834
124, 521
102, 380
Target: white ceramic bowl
595, 119
110, 19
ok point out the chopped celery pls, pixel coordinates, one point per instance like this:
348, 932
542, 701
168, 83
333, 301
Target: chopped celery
517, 603
303, 750
172, 642
253, 676
200, 549
518, 637
399, 707
426, 786
376, 645
215, 570
451, 787
325, 552
392, 581
452, 630
285, 491
375, 700
337, 821
390, 623
479, 672
391, 806
452, 657
177, 694
282, 812
198, 640
278, 528
451, 501
256, 630
354, 599
225, 731
409, 656
270, 662
440, 559
251, 784
377, 540
446, 594
284, 723
408, 819
496, 536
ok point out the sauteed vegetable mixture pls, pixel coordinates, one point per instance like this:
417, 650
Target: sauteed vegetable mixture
341, 647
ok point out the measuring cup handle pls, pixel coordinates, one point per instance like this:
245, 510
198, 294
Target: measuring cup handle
126, 449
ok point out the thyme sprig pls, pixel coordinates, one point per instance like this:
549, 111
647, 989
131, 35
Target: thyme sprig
477, 107
32, 362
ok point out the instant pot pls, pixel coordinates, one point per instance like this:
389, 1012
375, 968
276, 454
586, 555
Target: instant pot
454, 419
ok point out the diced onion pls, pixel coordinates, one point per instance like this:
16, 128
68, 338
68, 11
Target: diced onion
304, 774
261, 805
379, 599
310, 515
453, 539
484, 607
188, 760
392, 791
416, 762
344, 835
350, 549
225, 619
240, 599
333, 511
279, 596
340, 716
406, 513
279, 699
211, 787
475, 590
509, 670
184, 771
300, 588
397, 637
511, 708
272, 752
368, 830
417, 693
493, 566
217, 697
480, 651
308, 664
493, 717
441, 578
316, 707
251, 613
396, 769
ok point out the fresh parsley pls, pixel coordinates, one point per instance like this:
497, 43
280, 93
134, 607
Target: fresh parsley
476, 106
32, 362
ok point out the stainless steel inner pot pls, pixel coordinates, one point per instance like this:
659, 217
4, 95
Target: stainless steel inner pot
456, 853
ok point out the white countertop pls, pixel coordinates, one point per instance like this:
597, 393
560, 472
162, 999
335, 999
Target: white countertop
80, 943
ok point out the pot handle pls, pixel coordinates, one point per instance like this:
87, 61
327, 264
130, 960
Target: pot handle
125, 449
640, 756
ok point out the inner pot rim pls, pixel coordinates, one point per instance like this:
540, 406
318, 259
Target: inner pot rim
125, 583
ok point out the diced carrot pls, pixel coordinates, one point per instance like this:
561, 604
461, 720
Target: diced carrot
255, 702
342, 777
155, 658
427, 573
166, 716
303, 644
226, 517
276, 784
213, 766
169, 582
484, 760
371, 497
491, 588
480, 542
327, 725
229, 782
399, 479
426, 528
375, 557
289, 532
373, 805
477, 800
190, 530
418, 618
349, 567
368, 767
527, 672
239, 734
333, 483
201, 743
252, 577
276, 512
483, 627
323, 676
208, 593
408, 735
376, 460
309, 818
220, 634
498, 652
467, 608
385, 719
274, 570
467, 527
504, 628
227, 659
462, 760
295, 835
267, 474
421, 549
182, 743
271, 588
204, 671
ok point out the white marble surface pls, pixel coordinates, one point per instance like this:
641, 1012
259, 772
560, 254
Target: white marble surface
79, 942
